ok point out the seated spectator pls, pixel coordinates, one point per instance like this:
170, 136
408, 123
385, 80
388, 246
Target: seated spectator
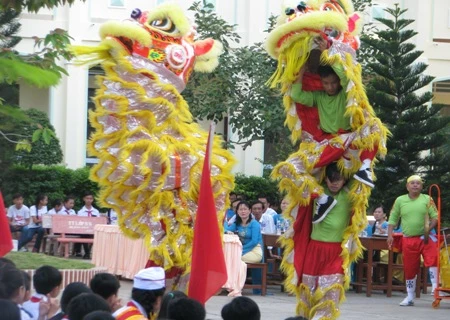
249, 232
99, 315
35, 227
68, 204
71, 291
241, 308
10, 311
85, 303
112, 217
148, 288
186, 309
57, 207
47, 283
107, 286
19, 218
88, 210
168, 297
380, 225
265, 220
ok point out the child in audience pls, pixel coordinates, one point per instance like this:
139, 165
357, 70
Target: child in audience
107, 286
10, 310
19, 217
47, 283
241, 308
186, 309
87, 211
85, 303
148, 288
99, 315
68, 204
112, 217
71, 291
35, 227
168, 297
57, 207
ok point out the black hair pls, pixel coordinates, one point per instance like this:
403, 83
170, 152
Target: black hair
325, 71
26, 280
85, 303
332, 172
168, 297
39, 198
263, 196
10, 310
69, 197
379, 206
6, 262
296, 318
238, 218
17, 196
186, 309
88, 193
105, 285
46, 278
11, 279
241, 308
99, 315
147, 298
57, 202
71, 291
258, 202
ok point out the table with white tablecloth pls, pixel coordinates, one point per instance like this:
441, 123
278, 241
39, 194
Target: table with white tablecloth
124, 256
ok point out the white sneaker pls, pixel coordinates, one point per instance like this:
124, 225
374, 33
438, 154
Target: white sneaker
407, 303
23, 249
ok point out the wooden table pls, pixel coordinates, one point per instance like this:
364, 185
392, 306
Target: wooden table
125, 256
371, 244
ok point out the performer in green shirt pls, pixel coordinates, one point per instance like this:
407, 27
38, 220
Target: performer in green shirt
419, 216
322, 290
332, 105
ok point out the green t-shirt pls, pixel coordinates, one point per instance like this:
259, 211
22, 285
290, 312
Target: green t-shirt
412, 212
331, 229
331, 108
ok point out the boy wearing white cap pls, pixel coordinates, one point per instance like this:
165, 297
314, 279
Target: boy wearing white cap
148, 288
415, 209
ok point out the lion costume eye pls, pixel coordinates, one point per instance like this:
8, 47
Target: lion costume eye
333, 5
165, 25
289, 11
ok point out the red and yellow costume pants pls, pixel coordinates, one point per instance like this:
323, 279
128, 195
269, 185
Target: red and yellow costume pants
321, 289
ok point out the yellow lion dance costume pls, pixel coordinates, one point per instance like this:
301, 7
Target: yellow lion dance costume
149, 149
292, 44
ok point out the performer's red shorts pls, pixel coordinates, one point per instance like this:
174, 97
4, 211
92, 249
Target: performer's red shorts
412, 248
323, 258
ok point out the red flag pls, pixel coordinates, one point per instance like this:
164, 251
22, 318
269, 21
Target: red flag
208, 269
5, 234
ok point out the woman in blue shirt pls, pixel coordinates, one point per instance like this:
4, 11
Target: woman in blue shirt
249, 232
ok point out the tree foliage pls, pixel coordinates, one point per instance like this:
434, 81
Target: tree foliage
237, 90
418, 128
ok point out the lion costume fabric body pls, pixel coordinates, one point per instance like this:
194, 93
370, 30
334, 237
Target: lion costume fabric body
292, 44
150, 152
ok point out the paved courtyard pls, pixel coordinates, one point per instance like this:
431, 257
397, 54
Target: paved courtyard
277, 305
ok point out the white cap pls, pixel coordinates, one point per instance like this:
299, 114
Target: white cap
152, 278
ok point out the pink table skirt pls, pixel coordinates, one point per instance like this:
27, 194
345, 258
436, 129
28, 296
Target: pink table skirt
236, 268
119, 254
125, 257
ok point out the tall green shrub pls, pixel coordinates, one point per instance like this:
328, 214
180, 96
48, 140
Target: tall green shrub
54, 181
251, 187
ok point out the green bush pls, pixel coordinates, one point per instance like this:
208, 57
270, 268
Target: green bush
251, 187
54, 181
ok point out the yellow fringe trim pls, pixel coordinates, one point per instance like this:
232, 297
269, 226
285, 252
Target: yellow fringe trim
139, 205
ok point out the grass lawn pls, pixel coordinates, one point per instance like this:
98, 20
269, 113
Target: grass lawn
28, 260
